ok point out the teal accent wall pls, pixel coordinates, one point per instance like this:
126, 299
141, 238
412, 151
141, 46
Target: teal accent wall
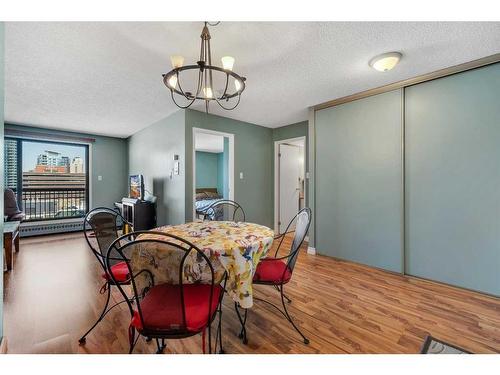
207, 170
358, 181
108, 158
253, 156
453, 179
151, 153
2, 42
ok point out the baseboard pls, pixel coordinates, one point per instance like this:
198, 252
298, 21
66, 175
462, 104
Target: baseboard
3, 345
311, 250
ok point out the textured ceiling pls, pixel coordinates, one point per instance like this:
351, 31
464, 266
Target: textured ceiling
105, 78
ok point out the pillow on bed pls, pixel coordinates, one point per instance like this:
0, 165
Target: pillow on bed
201, 196
212, 195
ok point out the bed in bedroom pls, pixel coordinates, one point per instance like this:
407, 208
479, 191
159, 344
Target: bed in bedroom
205, 197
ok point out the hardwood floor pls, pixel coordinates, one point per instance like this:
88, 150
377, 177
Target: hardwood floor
51, 298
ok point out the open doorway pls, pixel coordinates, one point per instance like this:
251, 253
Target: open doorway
213, 168
289, 180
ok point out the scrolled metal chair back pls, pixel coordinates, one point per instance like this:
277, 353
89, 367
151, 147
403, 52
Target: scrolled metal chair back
104, 223
143, 276
225, 210
300, 225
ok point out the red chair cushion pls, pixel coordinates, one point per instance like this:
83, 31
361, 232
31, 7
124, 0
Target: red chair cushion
272, 271
119, 271
162, 307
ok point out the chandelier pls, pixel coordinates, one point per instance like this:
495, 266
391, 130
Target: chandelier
221, 85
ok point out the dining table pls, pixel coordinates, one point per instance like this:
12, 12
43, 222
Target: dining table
233, 248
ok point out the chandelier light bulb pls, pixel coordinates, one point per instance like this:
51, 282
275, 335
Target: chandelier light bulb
208, 92
237, 84
172, 81
177, 61
227, 63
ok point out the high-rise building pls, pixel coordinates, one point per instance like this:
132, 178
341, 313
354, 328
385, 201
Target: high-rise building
52, 161
64, 161
77, 165
10, 163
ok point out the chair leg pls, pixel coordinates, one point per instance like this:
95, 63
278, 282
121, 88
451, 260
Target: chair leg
104, 311
219, 330
161, 346
306, 341
284, 295
210, 338
131, 339
243, 321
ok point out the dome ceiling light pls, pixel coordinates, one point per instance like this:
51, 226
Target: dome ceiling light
385, 61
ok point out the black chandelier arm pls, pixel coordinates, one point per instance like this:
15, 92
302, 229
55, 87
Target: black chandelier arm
177, 104
225, 88
229, 109
184, 95
181, 92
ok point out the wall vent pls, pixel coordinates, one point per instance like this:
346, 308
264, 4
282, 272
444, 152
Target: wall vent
51, 227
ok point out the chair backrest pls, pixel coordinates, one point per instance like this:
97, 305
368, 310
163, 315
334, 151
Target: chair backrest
224, 210
302, 222
161, 259
101, 223
11, 207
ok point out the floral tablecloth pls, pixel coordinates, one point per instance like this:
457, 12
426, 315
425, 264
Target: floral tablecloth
233, 247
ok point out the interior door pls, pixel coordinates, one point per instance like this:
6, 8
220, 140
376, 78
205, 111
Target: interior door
358, 181
453, 178
289, 176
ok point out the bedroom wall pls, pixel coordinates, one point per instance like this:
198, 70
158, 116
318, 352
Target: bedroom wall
207, 170
253, 157
151, 153
108, 158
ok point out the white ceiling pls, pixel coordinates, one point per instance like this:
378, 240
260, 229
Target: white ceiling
209, 142
105, 78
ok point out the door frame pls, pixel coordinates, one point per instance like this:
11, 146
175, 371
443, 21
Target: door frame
230, 136
277, 179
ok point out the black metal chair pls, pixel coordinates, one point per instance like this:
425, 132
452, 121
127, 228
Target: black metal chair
224, 210
168, 308
277, 271
101, 228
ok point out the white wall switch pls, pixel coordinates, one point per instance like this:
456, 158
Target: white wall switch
99, 178
241, 175
176, 167
307, 175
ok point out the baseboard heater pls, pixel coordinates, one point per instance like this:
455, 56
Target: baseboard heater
51, 227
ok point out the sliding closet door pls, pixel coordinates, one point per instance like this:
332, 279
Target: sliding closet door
453, 179
358, 181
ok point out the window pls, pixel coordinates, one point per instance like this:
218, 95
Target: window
50, 179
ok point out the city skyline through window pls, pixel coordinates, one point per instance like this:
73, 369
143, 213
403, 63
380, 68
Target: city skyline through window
49, 178
32, 150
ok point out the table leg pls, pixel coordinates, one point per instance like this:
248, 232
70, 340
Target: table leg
16, 242
243, 321
8, 250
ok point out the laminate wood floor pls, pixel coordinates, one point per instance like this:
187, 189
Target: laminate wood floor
51, 298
